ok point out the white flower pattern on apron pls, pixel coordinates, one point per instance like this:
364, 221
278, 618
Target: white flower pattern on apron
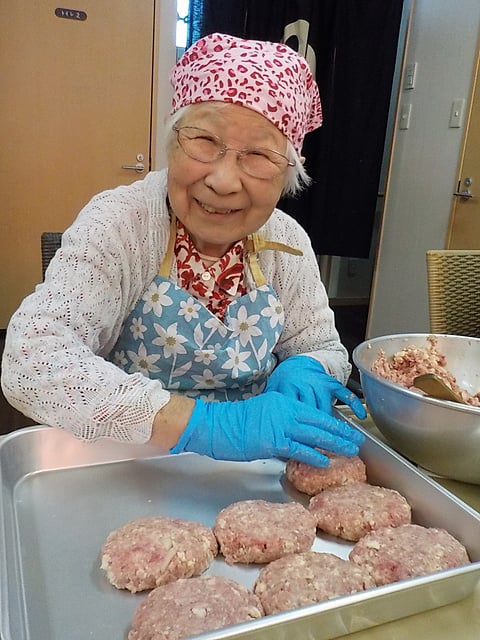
195, 353
192, 351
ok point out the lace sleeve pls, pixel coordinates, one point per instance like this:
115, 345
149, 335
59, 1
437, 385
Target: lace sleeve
53, 367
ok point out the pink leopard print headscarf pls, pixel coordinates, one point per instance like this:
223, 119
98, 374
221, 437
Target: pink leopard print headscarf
267, 77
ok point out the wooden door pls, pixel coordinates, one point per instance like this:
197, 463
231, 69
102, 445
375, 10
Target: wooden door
75, 105
464, 231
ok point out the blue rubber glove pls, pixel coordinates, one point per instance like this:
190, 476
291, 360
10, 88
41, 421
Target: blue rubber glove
266, 426
305, 379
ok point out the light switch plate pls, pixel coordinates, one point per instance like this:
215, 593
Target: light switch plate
410, 75
456, 113
405, 115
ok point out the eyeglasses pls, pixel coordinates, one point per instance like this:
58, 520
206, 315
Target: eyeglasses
204, 146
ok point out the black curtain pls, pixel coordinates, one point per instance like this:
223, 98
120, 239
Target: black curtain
355, 46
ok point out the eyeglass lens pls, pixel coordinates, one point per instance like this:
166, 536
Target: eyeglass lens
204, 146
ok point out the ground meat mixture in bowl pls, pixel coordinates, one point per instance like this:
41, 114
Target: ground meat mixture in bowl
441, 436
413, 361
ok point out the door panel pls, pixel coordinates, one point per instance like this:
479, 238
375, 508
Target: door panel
75, 106
464, 230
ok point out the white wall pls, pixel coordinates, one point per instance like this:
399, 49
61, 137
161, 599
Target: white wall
443, 41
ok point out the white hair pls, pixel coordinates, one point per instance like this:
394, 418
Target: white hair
296, 177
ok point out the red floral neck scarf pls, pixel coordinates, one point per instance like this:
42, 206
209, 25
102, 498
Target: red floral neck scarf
215, 285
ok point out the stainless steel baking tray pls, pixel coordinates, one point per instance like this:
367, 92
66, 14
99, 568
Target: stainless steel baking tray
61, 497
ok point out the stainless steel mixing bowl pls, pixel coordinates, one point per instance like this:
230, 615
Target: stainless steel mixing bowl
441, 436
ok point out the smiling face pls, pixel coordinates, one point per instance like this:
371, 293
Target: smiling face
218, 202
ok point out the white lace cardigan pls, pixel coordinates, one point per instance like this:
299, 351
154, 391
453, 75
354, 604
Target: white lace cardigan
54, 368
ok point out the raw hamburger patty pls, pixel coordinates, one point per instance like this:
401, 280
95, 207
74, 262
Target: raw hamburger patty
353, 510
311, 480
256, 531
148, 552
190, 606
393, 554
305, 578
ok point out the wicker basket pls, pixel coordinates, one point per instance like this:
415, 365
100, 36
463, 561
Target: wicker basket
454, 291
50, 242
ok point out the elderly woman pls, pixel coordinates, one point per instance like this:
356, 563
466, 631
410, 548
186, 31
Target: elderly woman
186, 309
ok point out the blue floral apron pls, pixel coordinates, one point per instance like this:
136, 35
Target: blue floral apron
172, 337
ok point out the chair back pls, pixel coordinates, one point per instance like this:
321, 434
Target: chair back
50, 242
453, 277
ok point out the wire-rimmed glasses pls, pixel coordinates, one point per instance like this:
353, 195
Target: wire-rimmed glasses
204, 146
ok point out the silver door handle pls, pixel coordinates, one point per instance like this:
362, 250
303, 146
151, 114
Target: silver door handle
139, 167
464, 194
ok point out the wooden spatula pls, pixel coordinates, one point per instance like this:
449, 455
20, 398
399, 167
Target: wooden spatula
434, 386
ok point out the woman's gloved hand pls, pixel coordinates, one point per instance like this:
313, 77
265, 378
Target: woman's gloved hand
305, 379
266, 426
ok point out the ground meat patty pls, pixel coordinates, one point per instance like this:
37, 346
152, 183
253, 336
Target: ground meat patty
305, 578
311, 480
353, 510
256, 531
190, 606
393, 554
148, 552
